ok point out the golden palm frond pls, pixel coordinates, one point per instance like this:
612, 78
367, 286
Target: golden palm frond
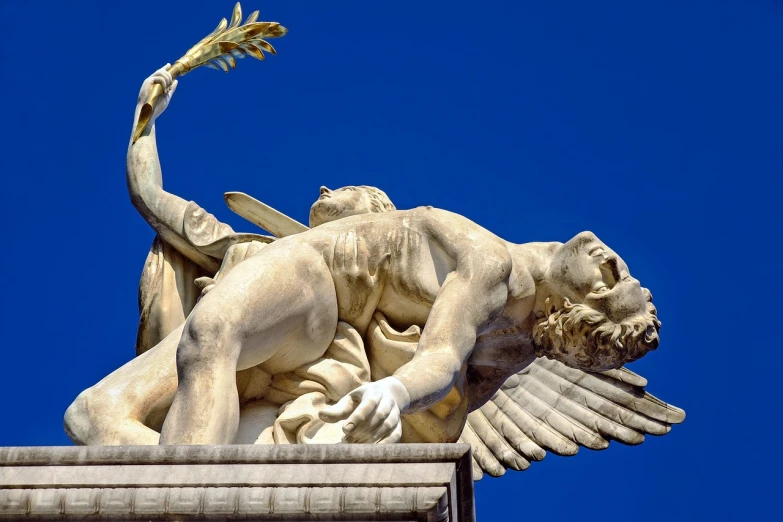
230, 40
219, 50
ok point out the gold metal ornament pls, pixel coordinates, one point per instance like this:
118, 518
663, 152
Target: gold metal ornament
219, 50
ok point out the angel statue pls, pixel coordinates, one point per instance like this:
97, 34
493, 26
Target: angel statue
373, 325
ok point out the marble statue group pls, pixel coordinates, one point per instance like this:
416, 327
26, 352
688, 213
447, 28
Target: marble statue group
372, 325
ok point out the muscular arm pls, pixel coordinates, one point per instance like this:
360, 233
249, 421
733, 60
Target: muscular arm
165, 212
472, 295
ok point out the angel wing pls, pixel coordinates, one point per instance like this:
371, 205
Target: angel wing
549, 406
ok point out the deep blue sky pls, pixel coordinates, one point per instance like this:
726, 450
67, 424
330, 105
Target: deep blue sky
657, 125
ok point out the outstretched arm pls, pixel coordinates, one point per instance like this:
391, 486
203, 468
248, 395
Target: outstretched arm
165, 212
472, 295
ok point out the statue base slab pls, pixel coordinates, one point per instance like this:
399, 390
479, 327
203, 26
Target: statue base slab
396, 482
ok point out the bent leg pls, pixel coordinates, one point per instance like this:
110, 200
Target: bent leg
277, 308
116, 410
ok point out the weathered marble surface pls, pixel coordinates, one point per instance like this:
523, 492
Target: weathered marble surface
374, 325
337, 482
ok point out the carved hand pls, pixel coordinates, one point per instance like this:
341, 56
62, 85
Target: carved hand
354, 283
163, 78
373, 412
234, 255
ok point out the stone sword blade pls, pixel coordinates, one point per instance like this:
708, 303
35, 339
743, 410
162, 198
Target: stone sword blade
261, 214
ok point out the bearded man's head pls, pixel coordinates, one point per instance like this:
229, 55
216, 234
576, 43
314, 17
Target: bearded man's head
584, 338
606, 318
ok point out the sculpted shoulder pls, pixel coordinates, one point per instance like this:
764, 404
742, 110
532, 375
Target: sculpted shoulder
463, 238
456, 222
452, 237
411, 218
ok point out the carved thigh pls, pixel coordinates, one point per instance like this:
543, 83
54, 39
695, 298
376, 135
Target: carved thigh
277, 308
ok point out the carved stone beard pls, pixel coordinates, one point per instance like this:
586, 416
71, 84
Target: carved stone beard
584, 338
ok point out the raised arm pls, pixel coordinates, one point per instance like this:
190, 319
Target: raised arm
165, 212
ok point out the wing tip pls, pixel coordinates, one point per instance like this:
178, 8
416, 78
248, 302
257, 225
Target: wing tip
597, 444
670, 413
478, 473
495, 471
632, 378
565, 450
516, 462
677, 414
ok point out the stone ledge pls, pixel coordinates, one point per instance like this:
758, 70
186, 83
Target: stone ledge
427, 482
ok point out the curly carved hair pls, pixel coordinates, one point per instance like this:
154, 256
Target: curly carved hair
379, 201
584, 338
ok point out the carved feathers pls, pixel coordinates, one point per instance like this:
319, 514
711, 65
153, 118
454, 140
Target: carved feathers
551, 407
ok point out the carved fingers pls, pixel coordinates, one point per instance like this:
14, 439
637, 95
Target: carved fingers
405, 257
351, 258
355, 283
381, 270
163, 78
374, 419
346, 254
205, 284
372, 412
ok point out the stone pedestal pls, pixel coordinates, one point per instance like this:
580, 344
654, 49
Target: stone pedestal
422, 482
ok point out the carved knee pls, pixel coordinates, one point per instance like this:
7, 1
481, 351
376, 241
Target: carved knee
205, 341
76, 421
86, 418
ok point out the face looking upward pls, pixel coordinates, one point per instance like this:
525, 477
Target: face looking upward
605, 318
340, 203
585, 270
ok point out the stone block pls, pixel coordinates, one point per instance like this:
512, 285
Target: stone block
401, 482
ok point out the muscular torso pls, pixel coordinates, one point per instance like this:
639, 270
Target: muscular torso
418, 262
424, 246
